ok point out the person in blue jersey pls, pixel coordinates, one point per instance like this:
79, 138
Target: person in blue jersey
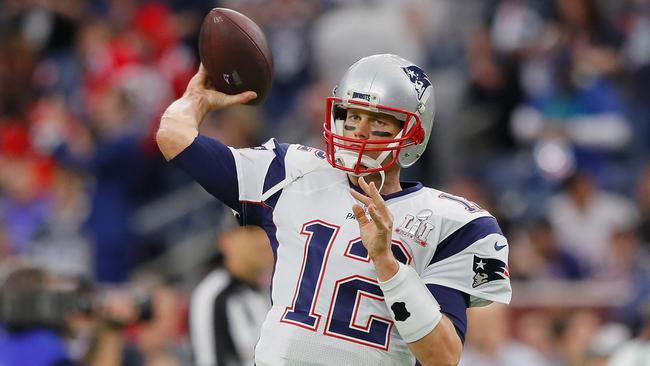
369, 270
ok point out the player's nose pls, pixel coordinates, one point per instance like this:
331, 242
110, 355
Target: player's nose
362, 130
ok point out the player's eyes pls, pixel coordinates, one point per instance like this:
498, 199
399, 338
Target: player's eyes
383, 134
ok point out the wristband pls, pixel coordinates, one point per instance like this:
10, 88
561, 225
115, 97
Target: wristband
414, 310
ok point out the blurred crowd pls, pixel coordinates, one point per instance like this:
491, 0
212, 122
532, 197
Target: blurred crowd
543, 118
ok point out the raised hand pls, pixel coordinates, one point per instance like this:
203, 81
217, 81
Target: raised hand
208, 97
179, 125
376, 228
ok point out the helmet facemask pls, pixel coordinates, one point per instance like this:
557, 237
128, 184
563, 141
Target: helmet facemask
350, 154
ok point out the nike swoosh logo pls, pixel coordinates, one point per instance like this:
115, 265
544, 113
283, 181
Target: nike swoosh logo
498, 247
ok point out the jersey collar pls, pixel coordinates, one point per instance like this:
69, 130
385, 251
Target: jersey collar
407, 188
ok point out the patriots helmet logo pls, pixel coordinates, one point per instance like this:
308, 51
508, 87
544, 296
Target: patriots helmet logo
418, 78
488, 269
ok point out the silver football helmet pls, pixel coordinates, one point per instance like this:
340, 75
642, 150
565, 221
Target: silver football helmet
386, 84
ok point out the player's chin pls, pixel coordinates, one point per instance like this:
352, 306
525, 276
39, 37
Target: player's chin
372, 154
385, 161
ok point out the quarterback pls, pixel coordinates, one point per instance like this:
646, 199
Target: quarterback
369, 270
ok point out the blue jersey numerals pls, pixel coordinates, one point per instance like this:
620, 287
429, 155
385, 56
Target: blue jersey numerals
467, 204
348, 292
342, 319
320, 236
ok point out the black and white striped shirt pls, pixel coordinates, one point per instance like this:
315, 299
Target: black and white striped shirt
225, 320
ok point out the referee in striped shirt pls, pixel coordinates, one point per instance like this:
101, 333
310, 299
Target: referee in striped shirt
228, 306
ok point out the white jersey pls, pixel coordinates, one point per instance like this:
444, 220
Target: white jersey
327, 306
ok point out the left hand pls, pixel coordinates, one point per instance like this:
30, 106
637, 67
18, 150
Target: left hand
376, 230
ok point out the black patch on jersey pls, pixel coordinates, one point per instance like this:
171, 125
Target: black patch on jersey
399, 311
487, 270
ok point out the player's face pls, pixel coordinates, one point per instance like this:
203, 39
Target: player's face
366, 125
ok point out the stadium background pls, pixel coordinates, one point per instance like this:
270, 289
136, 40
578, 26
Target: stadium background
543, 118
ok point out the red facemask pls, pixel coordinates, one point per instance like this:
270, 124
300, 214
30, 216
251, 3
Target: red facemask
349, 153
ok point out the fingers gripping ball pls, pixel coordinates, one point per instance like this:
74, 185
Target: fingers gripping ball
235, 54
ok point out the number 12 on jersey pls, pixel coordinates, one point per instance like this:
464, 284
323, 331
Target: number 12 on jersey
348, 292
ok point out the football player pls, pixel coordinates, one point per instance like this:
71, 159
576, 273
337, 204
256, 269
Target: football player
369, 270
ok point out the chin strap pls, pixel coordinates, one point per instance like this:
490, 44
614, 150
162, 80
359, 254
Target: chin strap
349, 159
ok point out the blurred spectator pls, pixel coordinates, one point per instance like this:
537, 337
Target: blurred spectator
24, 177
228, 307
60, 245
240, 126
642, 196
630, 262
305, 123
17, 61
287, 25
512, 30
636, 47
535, 329
628, 257
637, 57
635, 351
570, 98
4, 245
339, 41
116, 158
590, 36
585, 116
576, 335
539, 256
606, 342
584, 218
489, 342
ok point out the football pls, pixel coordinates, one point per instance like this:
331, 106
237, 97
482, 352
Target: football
235, 54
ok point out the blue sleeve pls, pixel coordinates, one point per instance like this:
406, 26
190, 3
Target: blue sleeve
212, 165
453, 303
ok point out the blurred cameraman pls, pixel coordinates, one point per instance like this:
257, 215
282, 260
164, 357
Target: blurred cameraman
52, 321
29, 315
